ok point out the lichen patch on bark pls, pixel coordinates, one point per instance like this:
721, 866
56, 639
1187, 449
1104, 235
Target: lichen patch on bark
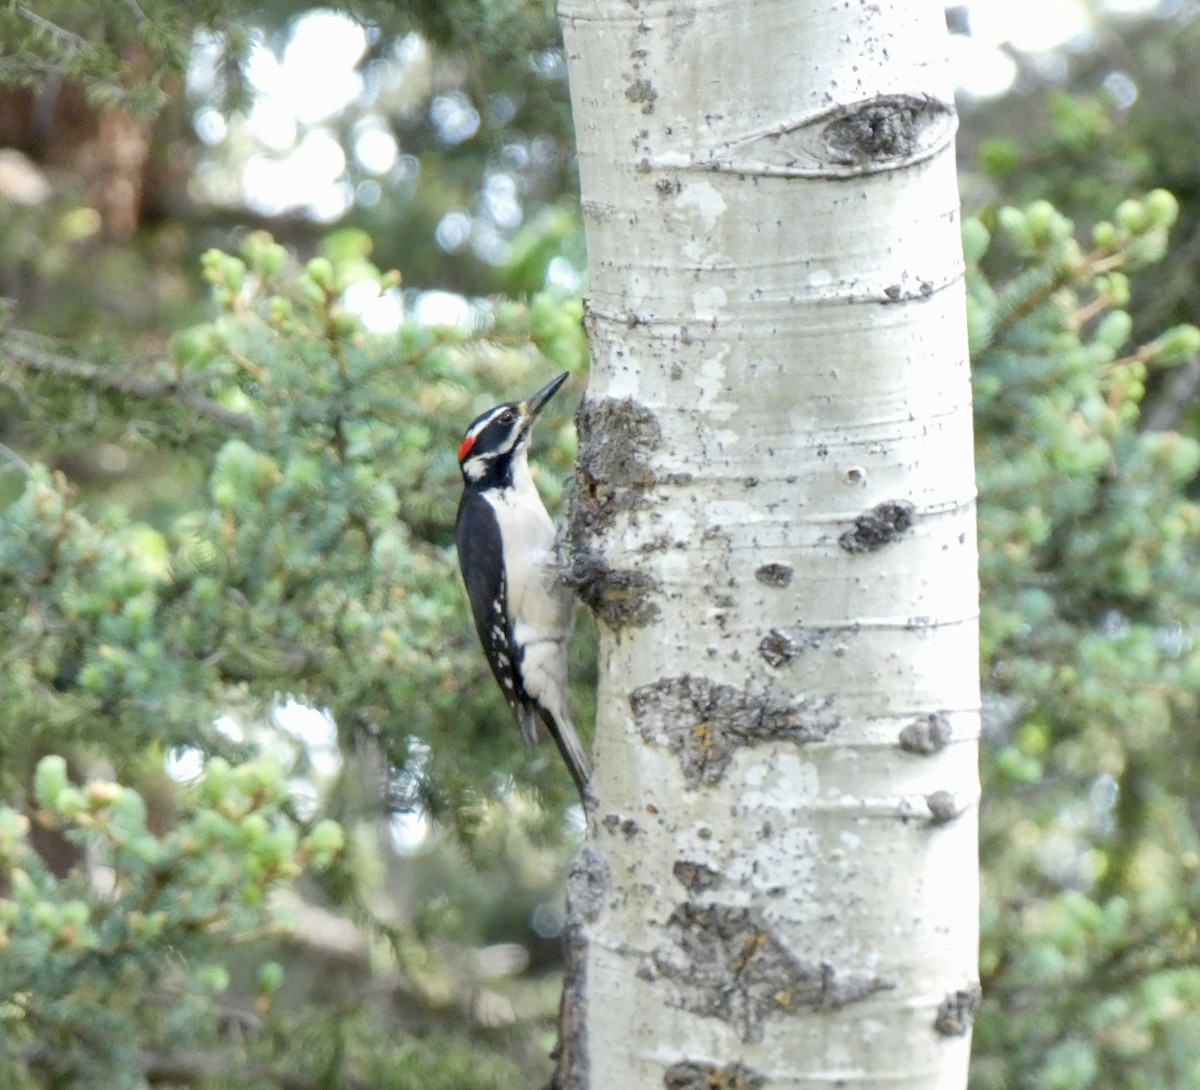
626, 826
704, 723
728, 963
778, 646
588, 884
642, 91
612, 469
619, 599
612, 476
697, 1075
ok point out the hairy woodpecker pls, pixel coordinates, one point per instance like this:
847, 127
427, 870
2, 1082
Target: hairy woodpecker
508, 559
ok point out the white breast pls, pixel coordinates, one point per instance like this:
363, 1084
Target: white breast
538, 603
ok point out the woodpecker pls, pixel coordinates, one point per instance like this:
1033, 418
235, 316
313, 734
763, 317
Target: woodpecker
507, 556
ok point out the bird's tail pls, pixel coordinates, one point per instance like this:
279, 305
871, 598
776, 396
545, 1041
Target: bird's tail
544, 668
562, 730
528, 722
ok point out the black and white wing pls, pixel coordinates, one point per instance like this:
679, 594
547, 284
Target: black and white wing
481, 561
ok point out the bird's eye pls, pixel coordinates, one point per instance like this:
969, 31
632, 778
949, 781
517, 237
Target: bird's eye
508, 416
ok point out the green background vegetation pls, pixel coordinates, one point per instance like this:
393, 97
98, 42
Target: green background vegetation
226, 496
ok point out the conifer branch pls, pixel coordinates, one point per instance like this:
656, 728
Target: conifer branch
190, 1067
26, 353
14, 460
1178, 395
73, 42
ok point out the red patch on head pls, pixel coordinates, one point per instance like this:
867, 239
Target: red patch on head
464, 448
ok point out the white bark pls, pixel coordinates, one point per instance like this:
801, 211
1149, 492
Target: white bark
775, 526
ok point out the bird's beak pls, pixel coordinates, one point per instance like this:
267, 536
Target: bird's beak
538, 402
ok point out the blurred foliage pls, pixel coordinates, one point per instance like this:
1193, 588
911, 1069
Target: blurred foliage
442, 129
250, 498
1091, 122
1090, 599
313, 564
1086, 355
119, 52
83, 956
316, 561
219, 510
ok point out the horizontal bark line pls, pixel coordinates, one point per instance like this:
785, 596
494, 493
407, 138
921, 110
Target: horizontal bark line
804, 537
900, 423
867, 732
758, 168
893, 624
789, 485
598, 15
625, 14
903, 807
641, 558
734, 308
921, 513
844, 738
849, 438
832, 632
789, 477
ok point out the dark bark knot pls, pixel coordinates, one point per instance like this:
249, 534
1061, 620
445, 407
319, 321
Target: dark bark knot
612, 475
704, 723
614, 823
956, 1014
642, 91
927, 735
886, 132
696, 877
728, 963
943, 807
886, 129
774, 575
694, 1075
777, 647
879, 527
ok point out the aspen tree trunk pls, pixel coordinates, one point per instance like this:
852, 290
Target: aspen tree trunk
774, 525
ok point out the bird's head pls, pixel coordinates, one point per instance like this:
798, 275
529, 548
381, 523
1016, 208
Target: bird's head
501, 434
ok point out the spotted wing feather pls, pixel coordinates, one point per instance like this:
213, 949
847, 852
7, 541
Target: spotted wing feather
479, 552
